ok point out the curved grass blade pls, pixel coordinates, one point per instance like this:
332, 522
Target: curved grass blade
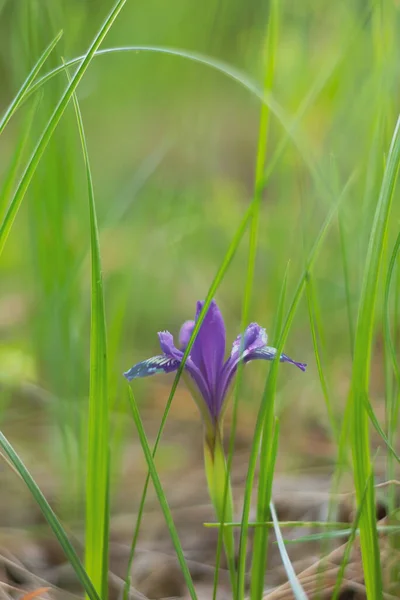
288, 124
298, 591
13, 208
97, 479
21, 95
160, 495
358, 395
50, 517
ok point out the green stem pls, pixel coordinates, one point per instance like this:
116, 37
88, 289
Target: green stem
216, 473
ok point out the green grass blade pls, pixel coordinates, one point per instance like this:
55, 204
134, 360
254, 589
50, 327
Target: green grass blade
97, 477
379, 430
281, 524
12, 171
280, 310
393, 399
270, 50
263, 412
161, 496
50, 517
315, 329
288, 124
13, 208
248, 84
352, 537
28, 82
267, 469
346, 276
298, 591
334, 535
386, 310
361, 369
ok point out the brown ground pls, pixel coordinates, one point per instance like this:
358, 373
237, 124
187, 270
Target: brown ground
31, 560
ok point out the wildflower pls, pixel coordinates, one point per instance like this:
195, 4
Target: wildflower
209, 377
206, 366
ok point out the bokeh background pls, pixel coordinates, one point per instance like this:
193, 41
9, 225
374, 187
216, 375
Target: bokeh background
173, 146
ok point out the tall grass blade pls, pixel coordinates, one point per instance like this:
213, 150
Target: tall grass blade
264, 412
15, 203
393, 399
270, 49
350, 542
358, 396
97, 478
160, 495
315, 329
50, 517
386, 311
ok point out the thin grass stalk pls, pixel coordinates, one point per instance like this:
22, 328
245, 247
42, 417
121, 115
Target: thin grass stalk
358, 396
98, 467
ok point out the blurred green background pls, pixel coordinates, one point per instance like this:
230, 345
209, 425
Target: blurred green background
172, 146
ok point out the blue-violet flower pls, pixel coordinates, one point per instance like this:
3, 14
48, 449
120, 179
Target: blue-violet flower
206, 364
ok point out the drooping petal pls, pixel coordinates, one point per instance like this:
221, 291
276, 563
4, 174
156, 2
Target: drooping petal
208, 350
152, 366
185, 333
269, 353
254, 337
252, 346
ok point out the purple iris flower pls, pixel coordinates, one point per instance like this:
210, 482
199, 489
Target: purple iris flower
206, 364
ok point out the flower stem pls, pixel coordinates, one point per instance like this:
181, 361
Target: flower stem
222, 499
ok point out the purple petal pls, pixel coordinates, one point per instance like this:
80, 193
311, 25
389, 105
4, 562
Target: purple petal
185, 333
301, 366
254, 337
253, 347
208, 350
168, 347
152, 366
269, 353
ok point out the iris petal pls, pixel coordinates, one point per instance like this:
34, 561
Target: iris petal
185, 333
253, 347
152, 366
169, 349
167, 345
208, 350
